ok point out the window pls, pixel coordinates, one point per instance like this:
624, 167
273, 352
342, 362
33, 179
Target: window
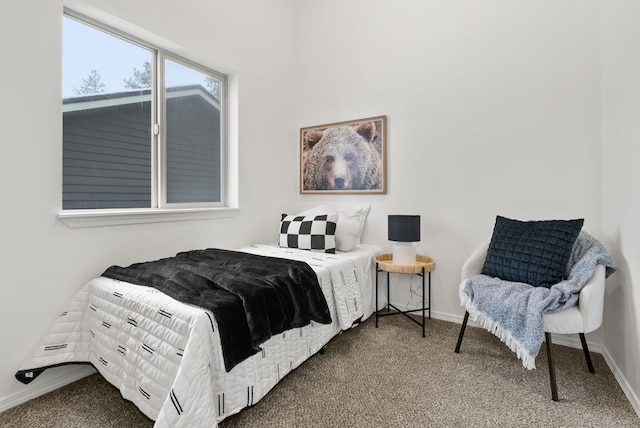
142, 128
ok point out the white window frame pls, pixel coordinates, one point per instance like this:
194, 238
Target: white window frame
160, 210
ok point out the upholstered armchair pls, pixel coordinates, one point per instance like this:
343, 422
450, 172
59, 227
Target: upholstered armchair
572, 306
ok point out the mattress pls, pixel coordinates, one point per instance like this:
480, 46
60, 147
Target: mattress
165, 356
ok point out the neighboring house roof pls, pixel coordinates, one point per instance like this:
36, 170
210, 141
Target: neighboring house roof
87, 102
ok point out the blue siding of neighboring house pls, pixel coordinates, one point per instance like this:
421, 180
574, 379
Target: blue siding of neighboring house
193, 145
107, 154
107, 157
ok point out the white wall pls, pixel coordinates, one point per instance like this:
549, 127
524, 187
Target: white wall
493, 108
45, 262
620, 25
524, 109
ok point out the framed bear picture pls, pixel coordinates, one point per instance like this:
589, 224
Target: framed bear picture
344, 157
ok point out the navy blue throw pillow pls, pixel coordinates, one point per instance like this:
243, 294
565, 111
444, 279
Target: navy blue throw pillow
533, 252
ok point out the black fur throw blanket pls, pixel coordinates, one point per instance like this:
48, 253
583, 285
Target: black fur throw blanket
252, 297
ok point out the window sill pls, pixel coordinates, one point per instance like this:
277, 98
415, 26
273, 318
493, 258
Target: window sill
82, 218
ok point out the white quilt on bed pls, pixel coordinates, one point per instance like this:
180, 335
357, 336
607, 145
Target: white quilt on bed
165, 356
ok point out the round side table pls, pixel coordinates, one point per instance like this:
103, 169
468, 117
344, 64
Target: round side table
423, 268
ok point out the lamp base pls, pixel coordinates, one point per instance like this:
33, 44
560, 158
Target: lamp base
404, 253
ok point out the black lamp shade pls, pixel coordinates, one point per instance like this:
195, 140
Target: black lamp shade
404, 228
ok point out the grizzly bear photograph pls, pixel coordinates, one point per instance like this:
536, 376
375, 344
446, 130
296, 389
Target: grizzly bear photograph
344, 157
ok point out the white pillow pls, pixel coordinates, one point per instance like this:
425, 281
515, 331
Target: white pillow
320, 209
350, 227
350, 224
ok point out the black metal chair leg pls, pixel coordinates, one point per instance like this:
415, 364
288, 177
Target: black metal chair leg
462, 328
552, 369
376, 308
585, 348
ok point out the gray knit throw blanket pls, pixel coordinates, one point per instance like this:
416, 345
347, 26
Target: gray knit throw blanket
513, 311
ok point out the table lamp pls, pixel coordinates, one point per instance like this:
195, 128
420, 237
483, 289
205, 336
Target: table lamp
404, 230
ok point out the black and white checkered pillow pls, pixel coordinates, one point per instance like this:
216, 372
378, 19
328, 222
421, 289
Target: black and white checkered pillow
315, 233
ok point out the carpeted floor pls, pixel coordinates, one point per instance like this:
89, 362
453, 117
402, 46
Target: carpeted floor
386, 377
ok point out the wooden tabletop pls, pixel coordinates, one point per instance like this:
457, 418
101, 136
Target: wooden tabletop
385, 263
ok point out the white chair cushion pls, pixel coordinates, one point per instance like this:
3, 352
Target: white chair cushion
565, 322
591, 302
473, 265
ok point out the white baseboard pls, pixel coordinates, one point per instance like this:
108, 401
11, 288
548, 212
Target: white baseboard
42, 386
634, 400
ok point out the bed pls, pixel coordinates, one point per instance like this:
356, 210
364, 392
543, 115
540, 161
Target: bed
165, 356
